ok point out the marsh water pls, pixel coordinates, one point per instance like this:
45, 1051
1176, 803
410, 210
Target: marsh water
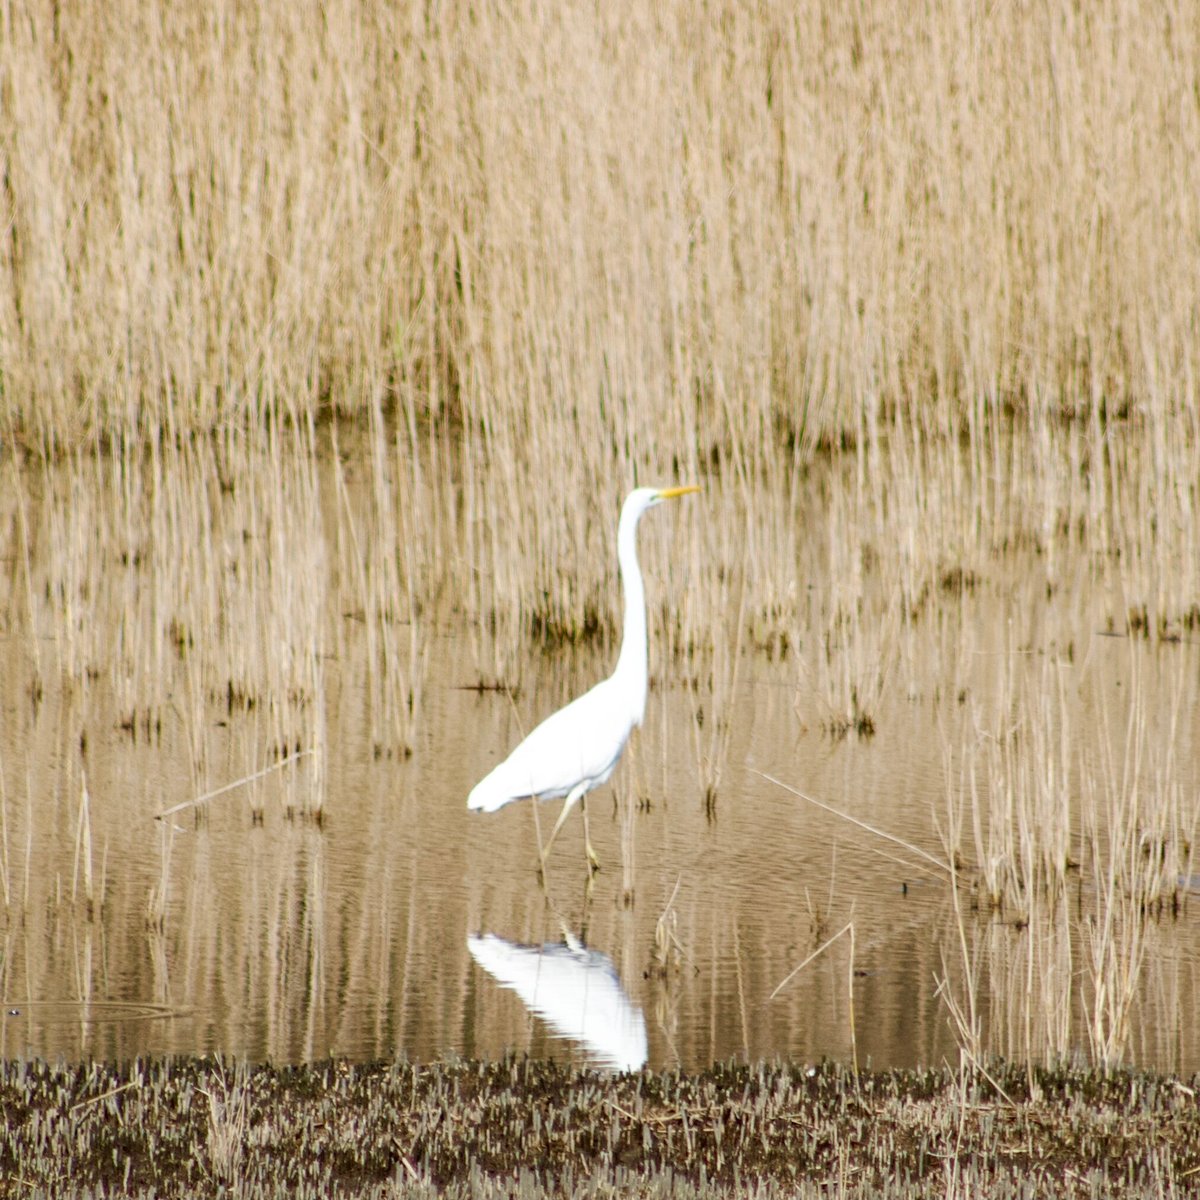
396, 923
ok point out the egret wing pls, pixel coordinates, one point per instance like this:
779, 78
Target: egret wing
578, 744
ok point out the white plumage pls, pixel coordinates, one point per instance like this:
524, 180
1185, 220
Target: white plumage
577, 748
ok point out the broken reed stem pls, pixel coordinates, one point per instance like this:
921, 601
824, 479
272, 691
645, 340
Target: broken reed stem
850, 998
83, 846
928, 858
847, 928
229, 787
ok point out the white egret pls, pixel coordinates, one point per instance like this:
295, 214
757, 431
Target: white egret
576, 748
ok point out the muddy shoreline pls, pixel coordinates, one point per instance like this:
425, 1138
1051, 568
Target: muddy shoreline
187, 1127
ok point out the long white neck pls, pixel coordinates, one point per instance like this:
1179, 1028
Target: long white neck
632, 665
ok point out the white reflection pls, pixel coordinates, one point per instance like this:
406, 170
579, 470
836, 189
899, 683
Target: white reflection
575, 990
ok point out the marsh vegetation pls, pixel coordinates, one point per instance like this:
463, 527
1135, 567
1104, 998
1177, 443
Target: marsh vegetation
516, 1128
331, 340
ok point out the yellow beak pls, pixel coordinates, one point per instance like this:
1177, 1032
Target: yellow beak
672, 492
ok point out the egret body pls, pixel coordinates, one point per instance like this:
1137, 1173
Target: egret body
577, 748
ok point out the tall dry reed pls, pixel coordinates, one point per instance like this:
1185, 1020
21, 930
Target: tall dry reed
678, 233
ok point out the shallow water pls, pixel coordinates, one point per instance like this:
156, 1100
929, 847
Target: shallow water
292, 940
399, 924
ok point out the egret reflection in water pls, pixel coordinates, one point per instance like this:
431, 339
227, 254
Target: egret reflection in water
576, 991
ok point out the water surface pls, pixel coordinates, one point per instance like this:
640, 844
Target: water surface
399, 924
292, 940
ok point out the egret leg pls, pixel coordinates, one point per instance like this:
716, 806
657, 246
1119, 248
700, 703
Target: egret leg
568, 804
593, 861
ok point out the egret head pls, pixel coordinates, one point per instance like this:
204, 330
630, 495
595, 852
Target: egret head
643, 498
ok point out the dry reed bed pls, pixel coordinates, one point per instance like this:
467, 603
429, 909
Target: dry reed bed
1068, 815
1064, 987
681, 233
183, 1128
250, 568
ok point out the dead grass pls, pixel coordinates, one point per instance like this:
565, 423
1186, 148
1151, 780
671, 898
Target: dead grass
682, 235
1079, 838
528, 1129
687, 232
